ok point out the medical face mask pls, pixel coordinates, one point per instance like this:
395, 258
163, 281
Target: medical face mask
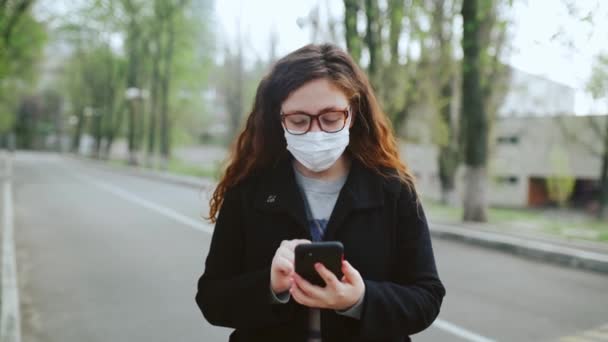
318, 151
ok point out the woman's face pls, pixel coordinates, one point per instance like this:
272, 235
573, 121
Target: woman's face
315, 97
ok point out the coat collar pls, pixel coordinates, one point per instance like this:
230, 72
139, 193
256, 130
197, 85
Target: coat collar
278, 191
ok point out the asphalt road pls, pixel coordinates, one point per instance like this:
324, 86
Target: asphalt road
104, 256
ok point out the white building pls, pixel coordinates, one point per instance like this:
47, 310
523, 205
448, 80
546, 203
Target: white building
534, 139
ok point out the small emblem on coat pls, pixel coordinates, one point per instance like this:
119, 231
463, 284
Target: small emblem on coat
271, 198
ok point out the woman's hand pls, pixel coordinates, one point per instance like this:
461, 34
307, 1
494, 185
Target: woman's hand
337, 295
282, 268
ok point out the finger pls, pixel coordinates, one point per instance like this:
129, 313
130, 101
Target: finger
301, 297
284, 265
296, 242
309, 289
328, 276
350, 273
285, 244
286, 253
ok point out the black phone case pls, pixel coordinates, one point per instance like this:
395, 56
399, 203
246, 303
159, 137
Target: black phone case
329, 253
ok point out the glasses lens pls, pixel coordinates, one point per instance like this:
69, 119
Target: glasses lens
297, 123
332, 121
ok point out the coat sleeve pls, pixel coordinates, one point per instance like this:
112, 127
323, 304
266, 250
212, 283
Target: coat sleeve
227, 294
411, 302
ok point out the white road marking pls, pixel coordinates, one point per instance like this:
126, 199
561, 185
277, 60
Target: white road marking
459, 331
165, 211
10, 318
439, 323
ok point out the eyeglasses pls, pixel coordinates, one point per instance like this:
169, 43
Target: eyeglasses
330, 120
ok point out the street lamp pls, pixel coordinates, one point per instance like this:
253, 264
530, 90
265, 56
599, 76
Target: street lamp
132, 93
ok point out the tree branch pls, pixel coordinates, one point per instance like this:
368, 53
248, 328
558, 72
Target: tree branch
595, 127
14, 19
570, 136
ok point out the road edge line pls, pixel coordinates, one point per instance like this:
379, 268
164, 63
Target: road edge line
10, 318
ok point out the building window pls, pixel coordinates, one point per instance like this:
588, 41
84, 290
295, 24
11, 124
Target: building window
510, 139
507, 180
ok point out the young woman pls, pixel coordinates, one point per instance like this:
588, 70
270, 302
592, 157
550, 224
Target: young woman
317, 161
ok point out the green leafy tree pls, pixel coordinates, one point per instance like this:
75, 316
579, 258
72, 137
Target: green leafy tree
22, 38
561, 183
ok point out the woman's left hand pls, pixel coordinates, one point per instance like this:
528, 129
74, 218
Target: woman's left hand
337, 295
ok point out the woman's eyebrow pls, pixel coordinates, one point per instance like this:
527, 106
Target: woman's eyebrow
323, 110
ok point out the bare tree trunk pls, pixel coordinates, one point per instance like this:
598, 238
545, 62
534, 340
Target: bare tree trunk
474, 119
449, 157
97, 133
353, 40
131, 133
233, 88
115, 128
373, 39
475, 194
78, 131
603, 209
152, 128
132, 82
165, 125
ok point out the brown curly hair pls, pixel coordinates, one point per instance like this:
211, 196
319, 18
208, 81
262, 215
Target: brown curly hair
262, 142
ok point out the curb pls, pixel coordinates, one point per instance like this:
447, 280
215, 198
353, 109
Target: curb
167, 177
565, 256
538, 250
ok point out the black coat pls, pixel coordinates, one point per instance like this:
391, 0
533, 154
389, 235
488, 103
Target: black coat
385, 237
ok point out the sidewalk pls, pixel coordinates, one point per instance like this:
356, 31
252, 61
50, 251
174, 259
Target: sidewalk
586, 255
592, 256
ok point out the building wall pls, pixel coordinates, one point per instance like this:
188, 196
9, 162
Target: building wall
521, 148
537, 95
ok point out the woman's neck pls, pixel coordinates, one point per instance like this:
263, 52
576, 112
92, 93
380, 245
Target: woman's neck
339, 169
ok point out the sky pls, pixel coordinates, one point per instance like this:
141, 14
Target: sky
546, 40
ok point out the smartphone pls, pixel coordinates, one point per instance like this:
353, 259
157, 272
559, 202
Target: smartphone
329, 253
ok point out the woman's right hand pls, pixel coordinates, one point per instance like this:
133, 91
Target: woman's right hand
282, 267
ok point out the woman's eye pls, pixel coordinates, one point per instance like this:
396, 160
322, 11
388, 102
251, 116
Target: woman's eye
330, 121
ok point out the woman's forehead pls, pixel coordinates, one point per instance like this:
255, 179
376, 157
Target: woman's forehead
315, 96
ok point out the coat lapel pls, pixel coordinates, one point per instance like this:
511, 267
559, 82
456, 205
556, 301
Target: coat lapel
362, 190
279, 192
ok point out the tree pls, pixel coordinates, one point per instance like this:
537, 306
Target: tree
92, 79
474, 118
395, 74
443, 14
11, 12
373, 39
167, 12
353, 39
232, 87
598, 87
134, 13
561, 183
22, 39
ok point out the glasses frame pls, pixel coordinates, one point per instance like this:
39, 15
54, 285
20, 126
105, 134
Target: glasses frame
313, 117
